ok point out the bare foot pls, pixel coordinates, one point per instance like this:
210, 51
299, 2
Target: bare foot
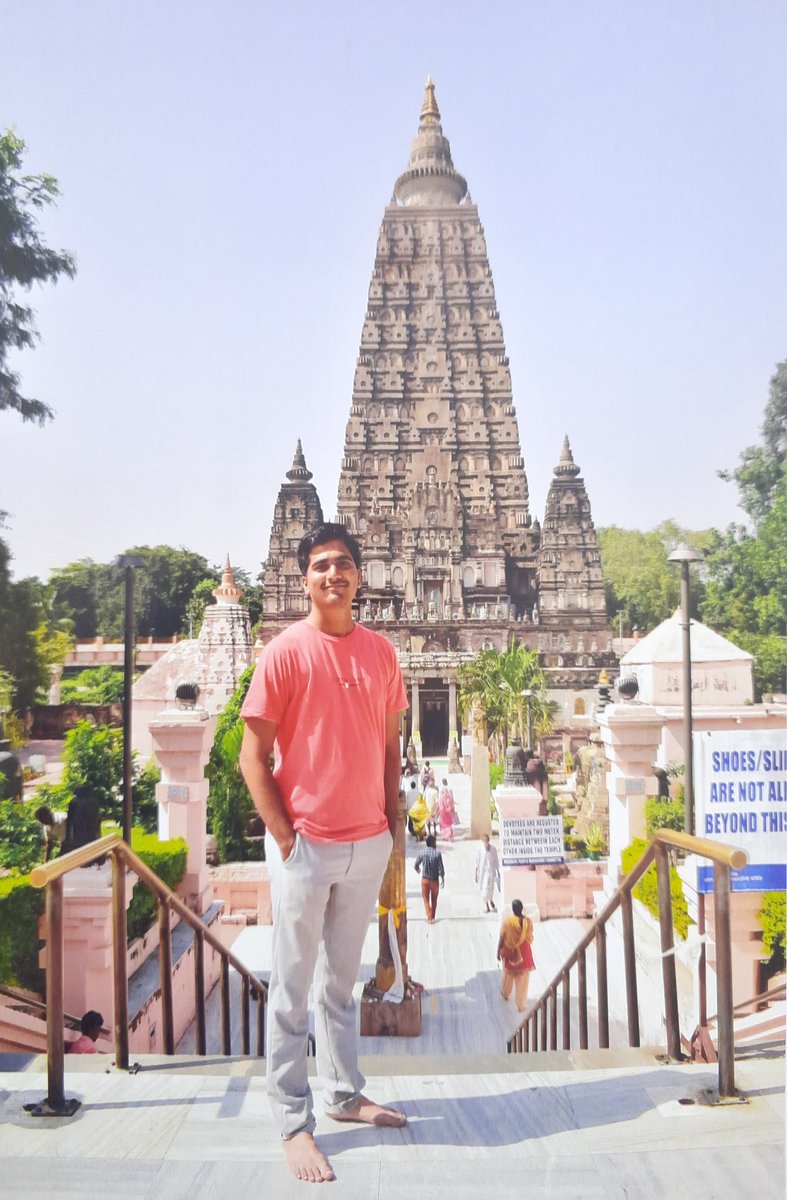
305, 1160
369, 1113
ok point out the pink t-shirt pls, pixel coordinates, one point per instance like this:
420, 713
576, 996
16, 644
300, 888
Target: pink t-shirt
83, 1045
329, 697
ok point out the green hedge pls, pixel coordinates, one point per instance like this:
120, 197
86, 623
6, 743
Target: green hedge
646, 890
168, 860
664, 814
773, 920
21, 905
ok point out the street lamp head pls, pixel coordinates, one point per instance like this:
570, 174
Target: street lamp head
129, 560
684, 553
526, 692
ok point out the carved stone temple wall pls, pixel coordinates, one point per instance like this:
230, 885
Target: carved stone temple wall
432, 479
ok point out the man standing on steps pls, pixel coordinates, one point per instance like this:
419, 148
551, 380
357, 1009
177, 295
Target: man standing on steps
325, 698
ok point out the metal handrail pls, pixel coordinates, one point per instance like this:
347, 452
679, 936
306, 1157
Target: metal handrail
50, 876
544, 1011
23, 1000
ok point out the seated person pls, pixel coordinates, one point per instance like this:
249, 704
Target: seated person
91, 1026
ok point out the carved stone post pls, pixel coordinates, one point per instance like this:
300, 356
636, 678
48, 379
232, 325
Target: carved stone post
415, 709
381, 1017
393, 898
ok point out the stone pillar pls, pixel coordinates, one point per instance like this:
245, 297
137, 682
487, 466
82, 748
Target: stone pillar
453, 731
88, 977
631, 734
182, 739
409, 578
415, 708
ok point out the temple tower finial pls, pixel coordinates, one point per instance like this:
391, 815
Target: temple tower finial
430, 113
299, 470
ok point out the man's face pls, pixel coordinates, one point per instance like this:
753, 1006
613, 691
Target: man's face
332, 578
485, 840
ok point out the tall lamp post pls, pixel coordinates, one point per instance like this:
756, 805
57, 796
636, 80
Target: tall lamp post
685, 556
129, 562
527, 693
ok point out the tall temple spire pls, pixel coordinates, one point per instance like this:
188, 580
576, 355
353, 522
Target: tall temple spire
433, 482
430, 180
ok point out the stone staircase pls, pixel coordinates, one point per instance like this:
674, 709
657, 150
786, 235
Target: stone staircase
557, 1125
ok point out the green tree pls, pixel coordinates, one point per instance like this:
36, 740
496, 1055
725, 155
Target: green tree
93, 755
92, 595
21, 613
94, 685
77, 590
229, 801
25, 259
201, 598
495, 680
639, 582
746, 591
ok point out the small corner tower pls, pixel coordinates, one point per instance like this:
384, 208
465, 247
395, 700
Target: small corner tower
571, 585
297, 510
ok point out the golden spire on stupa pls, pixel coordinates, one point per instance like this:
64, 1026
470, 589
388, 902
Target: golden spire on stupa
228, 591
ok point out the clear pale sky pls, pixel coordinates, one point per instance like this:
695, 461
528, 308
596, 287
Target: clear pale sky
225, 166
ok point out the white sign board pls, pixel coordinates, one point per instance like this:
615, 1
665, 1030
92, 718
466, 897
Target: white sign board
740, 798
528, 840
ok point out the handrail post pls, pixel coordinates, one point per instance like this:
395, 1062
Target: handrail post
668, 971
55, 1104
566, 1010
582, 999
630, 964
119, 956
226, 1036
165, 974
199, 993
553, 1020
726, 1040
601, 987
55, 1048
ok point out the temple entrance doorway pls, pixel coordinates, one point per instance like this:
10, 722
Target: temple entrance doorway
434, 723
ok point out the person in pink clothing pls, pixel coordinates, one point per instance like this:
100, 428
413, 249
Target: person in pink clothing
91, 1026
447, 812
326, 696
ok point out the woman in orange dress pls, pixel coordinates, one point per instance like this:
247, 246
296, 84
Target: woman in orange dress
513, 950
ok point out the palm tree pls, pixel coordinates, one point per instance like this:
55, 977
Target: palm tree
495, 680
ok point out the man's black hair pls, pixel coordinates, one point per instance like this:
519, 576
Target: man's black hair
320, 536
431, 841
91, 1020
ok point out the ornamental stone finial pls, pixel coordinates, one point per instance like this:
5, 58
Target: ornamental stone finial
299, 470
228, 591
430, 180
566, 466
430, 113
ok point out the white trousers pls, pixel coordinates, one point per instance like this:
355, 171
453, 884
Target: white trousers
322, 905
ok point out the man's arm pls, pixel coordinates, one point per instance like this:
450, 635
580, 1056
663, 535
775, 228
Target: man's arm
255, 752
393, 769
